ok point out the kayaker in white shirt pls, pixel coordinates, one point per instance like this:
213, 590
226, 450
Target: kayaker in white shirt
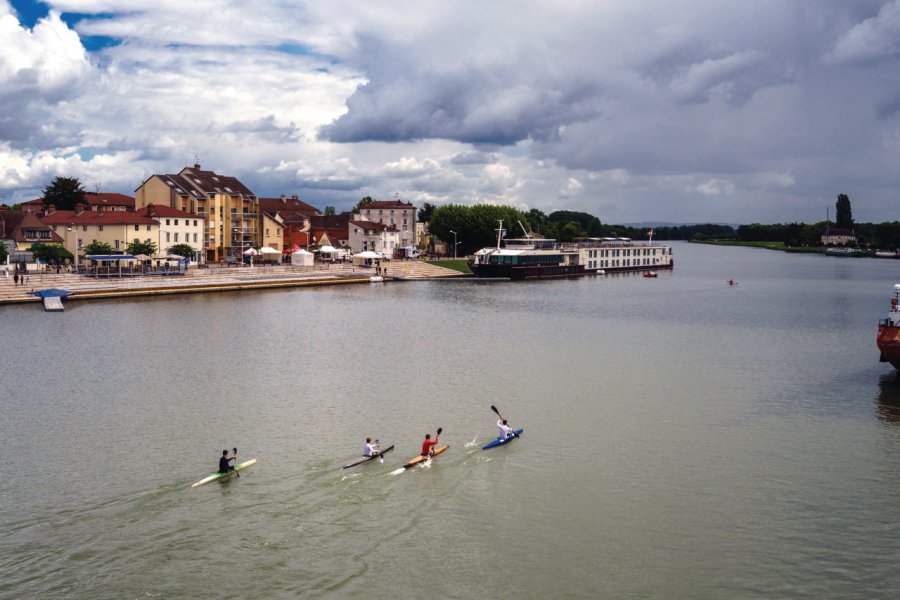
505, 430
371, 449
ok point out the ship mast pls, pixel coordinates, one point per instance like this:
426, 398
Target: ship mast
650, 235
499, 233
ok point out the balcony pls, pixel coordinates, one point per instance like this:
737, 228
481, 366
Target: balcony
247, 216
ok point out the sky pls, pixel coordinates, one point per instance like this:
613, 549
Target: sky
631, 110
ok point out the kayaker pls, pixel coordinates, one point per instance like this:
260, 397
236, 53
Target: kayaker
505, 430
370, 449
428, 445
224, 463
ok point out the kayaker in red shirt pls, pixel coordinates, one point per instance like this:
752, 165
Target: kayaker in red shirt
428, 445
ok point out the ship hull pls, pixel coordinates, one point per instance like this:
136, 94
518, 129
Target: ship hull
527, 272
889, 344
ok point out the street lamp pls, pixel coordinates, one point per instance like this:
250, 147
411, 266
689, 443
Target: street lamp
454, 243
72, 228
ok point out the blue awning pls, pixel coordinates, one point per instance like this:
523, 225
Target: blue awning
109, 257
51, 293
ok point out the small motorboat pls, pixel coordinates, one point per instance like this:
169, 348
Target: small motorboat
650, 274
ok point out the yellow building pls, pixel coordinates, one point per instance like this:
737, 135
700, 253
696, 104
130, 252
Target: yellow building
78, 228
229, 208
273, 230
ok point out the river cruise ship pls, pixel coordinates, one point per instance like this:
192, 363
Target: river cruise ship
535, 258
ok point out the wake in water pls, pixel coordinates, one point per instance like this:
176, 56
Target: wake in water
472, 443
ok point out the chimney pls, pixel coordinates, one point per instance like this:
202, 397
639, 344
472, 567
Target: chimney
295, 197
51, 208
283, 198
79, 208
197, 165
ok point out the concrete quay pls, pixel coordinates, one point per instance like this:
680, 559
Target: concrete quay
213, 279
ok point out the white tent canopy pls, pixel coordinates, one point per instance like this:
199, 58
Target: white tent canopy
302, 258
366, 254
268, 250
250, 252
327, 249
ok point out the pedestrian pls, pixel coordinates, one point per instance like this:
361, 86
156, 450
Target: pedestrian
16, 277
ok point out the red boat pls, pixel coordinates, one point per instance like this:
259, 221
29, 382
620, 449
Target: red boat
889, 332
650, 274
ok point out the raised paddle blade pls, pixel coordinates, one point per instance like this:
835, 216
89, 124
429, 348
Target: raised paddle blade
440, 429
494, 408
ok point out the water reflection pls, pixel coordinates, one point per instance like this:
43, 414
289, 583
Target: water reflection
887, 403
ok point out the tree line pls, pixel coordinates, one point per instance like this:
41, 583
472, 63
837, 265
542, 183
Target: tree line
476, 226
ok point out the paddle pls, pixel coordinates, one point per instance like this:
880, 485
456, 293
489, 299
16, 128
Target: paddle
511, 432
234, 450
437, 435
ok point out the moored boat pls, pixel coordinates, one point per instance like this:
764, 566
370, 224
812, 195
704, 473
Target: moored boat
887, 254
888, 339
532, 257
843, 251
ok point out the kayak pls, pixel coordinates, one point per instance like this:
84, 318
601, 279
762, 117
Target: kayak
499, 442
365, 459
421, 459
225, 476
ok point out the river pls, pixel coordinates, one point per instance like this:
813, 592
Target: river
683, 439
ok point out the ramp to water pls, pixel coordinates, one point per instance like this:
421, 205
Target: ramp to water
53, 304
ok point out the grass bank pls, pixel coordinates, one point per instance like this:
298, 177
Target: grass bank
766, 245
456, 264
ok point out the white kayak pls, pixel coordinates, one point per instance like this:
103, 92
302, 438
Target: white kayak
223, 476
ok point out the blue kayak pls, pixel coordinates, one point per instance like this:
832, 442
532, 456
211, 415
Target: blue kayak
499, 442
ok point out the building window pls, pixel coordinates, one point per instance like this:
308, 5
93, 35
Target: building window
176, 237
278, 232
167, 237
137, 227
176, 222
148, 228
195, 222
101, 227
117, 244
167, 222
195, 238
84, 227
267, 232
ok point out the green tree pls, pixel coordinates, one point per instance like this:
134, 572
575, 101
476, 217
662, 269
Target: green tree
589, 224
97, 248
185, 250
330, 211
424, 214
475, 226
63, 193
136, 247
843, 216
50, 252
363, 202
3, 252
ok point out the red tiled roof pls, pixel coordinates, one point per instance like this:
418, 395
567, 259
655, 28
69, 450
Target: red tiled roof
209, 181
92, 198
90, 217
288, 205
161, 210
382, 204
17, 222
108, 199
373, 225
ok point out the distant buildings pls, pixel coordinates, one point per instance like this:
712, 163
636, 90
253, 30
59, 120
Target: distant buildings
834, 236
216, 215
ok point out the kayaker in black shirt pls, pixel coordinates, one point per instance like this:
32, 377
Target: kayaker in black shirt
224, 466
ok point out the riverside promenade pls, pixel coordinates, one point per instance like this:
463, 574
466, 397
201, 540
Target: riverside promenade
213, 279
